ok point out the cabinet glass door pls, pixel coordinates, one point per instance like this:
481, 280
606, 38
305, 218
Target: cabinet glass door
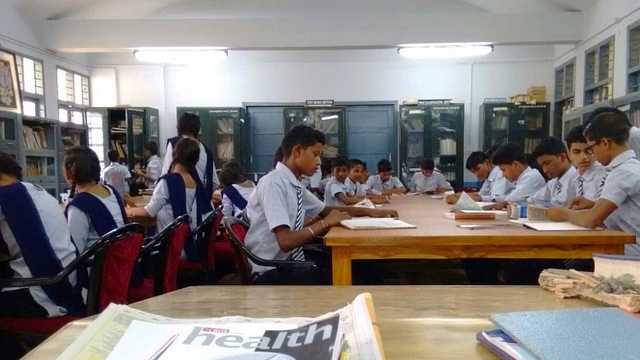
296, 116
329, 121
8, 128
535, 125
137, 139
225, 137
634, 113
446, 138
412, 120
497, 128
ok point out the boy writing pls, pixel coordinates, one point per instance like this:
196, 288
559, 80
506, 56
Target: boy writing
278, 205
384, 183
494, 187
429, 179
589, 171
551, 155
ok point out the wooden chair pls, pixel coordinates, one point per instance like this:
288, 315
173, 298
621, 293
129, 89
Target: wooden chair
203, 238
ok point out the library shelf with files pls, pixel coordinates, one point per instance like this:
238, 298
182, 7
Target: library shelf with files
126, 129
564, 96
630, 105
224, 130
69, 135
433, 129
40, 152
328, 119
10, 133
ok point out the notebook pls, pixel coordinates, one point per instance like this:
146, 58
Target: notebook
375, 224
553, 226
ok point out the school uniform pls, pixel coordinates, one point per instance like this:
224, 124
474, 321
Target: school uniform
495, 187
205, 166
90, 216
235, 198
279, 199
621, 186
313, 181
588, 183
529, 181
117, 175
557, 191
421, 183
37, 238
634, 140
375, 184
358, 188
333, 189
154, 170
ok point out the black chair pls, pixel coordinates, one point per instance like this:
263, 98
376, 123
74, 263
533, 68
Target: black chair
203, 238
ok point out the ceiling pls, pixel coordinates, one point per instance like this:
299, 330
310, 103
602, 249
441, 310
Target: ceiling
120, 25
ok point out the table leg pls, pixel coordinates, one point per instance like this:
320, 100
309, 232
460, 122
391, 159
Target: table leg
341, 258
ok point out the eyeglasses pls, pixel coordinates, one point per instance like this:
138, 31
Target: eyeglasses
589, 149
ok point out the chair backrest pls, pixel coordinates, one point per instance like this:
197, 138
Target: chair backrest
235, 232
203, 237
116, 254
169, 244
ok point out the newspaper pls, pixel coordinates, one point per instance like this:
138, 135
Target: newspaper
357, 335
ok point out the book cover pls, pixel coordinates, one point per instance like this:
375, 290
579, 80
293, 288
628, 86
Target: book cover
502, 345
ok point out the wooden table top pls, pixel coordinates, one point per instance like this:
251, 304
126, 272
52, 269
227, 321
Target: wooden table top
434, 229
416, 322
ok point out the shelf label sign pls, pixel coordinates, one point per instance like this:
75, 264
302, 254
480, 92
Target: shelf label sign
495, 100
319, 103
434, 101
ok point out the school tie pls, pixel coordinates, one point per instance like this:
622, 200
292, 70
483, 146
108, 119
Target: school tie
297, 253
488, 185
558, 188
580, 186
601, 186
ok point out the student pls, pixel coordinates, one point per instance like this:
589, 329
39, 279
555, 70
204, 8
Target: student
116, 174
551, 155
236, 191
153, 170
365, 173
634, 131
337, 192
95, 209
589, 171
429, 179
511, 160
178, 193
494, 187
189, 127
278, 204
384, 183
36, 238
354, 179
618, 203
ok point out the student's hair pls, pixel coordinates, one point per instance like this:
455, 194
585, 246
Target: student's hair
186, 153
83, 165
9, 166
325, 167
476, 158
232, 173
427, 164
384, 165
112, 155
151, 146
508, 153
492, 150
608, 122
549, 146
189, 124
355, 162
575, 136
277, 157
339, 161
364, 165
302, 135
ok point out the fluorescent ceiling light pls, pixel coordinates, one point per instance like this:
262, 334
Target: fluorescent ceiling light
180, 56
444, 51
330, 117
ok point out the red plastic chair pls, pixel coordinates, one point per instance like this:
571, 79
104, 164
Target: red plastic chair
204, 236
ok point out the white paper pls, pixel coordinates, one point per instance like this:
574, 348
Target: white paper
465, 202
541, 225
375, 223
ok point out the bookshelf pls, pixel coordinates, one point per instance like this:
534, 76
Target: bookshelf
40, 153
330, 120
9, 127
564, 94
598, 77
69, 135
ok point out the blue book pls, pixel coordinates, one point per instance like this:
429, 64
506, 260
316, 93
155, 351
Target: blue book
502, 345
585, 334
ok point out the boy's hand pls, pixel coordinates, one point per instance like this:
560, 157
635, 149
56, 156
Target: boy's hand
380, 213
440, 190
497, 206
557, 213
452, 199
128, 200
580, 203
335, 217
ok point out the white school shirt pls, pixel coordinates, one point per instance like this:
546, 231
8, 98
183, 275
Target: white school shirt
557, 191
274, 203
111, 176
201, 165
590, 181
160, 206
529, 181
358, 188
622, 187
495, 187
55, 226
154, 170
374, 183
82, 230
312, 181
228, 208
421, 183
634, 140
333, 188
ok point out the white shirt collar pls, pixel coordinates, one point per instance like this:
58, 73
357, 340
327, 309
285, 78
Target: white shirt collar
595, 168
287, 174
622, 157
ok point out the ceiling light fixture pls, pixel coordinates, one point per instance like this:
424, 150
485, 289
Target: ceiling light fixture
444, 51
180, 56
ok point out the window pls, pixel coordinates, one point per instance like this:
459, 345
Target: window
73, 96
598, 78
633, 64
30, 76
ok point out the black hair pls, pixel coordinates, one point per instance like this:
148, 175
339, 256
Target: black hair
384, 165
575, 136
508, 153
364, 164
112, 155
549, 146
427, 164
186, 153
151, 146
325, 167
232, 173
9, 166
492, 150
476, 158
339, 161
189, 124
277, 157
608, 122
355, 162
83, 165
302, 135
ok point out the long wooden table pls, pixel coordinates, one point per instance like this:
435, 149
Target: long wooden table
416, 322
438, 238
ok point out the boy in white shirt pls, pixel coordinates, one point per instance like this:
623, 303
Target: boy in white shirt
337, 192
589, 171
384, 183
495, 186
429, 179
116, 174
152, 172
551, 155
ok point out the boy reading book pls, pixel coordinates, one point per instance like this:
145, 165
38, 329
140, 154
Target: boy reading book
384, 183
355, 181
551, 155
589, 171
494, 186
337, 191
429, 179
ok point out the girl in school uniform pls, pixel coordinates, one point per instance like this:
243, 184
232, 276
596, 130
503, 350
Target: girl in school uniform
95, 209
237, 189
178, 193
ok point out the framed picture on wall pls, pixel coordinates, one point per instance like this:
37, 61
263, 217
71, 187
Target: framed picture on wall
9, 90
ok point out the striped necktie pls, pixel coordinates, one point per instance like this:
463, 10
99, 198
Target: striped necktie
601, 186
580, 186
297, 253
558, 188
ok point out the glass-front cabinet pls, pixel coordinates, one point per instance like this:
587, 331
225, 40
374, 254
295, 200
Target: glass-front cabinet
70, 135
330, 120
40, 153
9, 126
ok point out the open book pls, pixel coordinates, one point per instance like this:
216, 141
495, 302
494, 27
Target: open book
121, 332
547, 225
366, 223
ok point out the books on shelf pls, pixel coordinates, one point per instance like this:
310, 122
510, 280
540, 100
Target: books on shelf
225, 126
71, 139
415, 147
36, 166
34, 137
225, 150
375, 224
330, 151
2, 131
530, 144
121, 332
447, 147
500, 122
120, 147
118, 130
